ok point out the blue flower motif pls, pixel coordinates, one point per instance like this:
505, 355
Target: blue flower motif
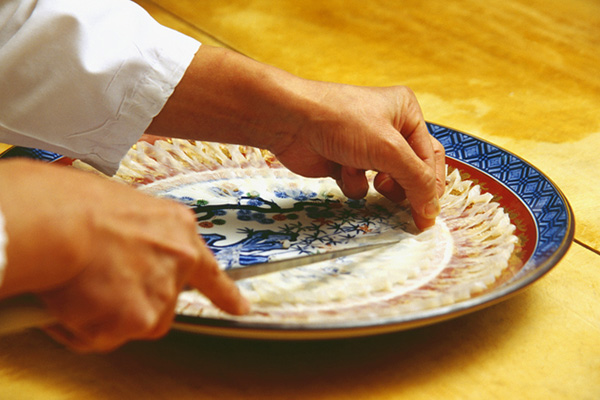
258, 216
281, 194
295, 194
261, 218
255, 202
184, 199
244, 215
303, 196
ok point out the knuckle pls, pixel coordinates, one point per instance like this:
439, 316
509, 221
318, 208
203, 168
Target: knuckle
389, 147
183, 214
142, 322
211, 271
404, 93
426, 177
189, 257
134, 319
438, 148
161, 329
407, 91
168, 292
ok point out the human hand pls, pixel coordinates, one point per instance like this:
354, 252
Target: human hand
107, 260
350, 129
314, 128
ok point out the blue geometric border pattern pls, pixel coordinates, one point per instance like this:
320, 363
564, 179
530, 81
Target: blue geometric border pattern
27, 152
549, 208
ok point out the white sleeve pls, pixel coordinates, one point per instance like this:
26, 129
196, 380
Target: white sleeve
84, 78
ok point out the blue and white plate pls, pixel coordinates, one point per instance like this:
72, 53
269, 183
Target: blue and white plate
544, 224
537, 208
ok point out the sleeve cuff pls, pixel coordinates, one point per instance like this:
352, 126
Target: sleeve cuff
85, 79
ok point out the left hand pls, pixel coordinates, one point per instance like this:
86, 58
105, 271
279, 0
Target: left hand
108, 261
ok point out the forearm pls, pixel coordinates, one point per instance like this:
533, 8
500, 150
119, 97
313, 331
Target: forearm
227, 97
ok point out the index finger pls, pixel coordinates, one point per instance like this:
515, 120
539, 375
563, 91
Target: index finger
423, 191
214, 283
415, 177
412, 161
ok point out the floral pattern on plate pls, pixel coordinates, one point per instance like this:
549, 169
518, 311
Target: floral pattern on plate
250, 209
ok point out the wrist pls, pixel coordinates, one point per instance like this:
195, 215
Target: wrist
227, 97
46, 232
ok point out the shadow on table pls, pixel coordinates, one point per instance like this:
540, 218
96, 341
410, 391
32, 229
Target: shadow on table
184, 365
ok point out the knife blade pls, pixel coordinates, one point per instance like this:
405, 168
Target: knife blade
268, 267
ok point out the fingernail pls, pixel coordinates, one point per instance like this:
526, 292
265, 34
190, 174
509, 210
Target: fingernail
432, 208
386, 185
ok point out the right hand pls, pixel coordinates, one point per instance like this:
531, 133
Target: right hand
351, 129
314, 128
108, 261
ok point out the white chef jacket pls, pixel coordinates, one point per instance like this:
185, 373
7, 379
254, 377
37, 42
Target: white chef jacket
84, 78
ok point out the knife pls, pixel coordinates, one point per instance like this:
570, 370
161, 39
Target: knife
280, 265
26, 311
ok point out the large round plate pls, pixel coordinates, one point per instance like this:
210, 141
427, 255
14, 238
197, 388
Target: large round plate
540, 212
538, 209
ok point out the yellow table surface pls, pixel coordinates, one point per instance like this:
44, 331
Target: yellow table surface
522, 74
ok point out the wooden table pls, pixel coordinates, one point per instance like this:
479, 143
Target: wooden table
522, 74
